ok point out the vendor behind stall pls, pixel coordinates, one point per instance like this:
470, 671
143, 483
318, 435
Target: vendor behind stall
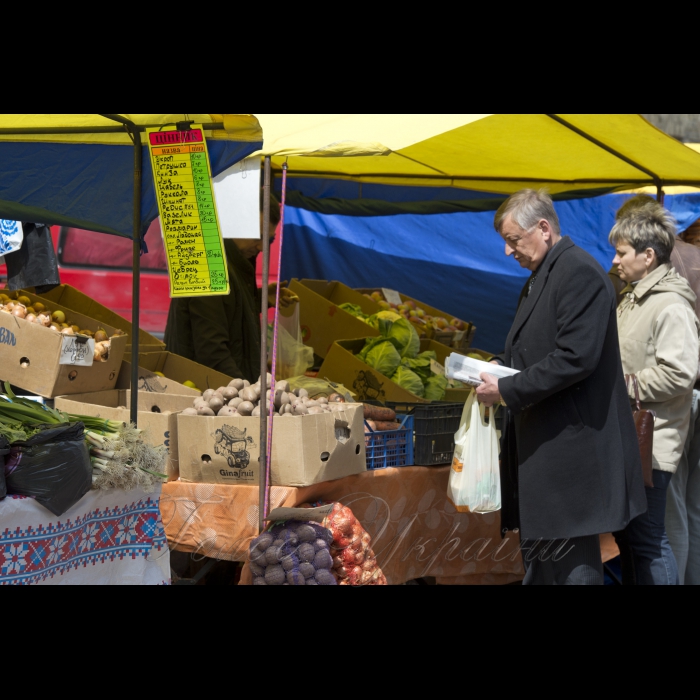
223, 332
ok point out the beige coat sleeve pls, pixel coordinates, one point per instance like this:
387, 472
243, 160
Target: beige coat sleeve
676, 347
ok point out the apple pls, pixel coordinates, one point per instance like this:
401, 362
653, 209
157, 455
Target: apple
420, 313
377, 296
412, 313
402, 308
440, 322
410, 304
366, 295
384, 305
393, 306
451, 329
459, 325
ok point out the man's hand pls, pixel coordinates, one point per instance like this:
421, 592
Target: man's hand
287, 298
487, 393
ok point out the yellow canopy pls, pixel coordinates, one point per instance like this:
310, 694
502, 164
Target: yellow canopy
499, 153
96, 128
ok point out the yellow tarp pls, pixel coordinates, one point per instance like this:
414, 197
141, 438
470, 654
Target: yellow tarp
489, 152
238, 127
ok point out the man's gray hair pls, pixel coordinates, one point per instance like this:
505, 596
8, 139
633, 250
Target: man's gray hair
647, 227
526, 208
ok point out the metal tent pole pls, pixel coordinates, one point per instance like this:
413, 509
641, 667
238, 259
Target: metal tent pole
262, 468
136, 279
660, 195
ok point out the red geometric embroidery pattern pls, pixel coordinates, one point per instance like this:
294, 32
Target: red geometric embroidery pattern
37, 554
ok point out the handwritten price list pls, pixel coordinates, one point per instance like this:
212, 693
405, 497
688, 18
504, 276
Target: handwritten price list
182, 177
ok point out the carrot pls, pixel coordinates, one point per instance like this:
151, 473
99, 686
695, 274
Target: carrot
381, 413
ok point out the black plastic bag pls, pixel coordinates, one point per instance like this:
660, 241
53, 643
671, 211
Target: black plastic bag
52, 467
4, 450
34, 264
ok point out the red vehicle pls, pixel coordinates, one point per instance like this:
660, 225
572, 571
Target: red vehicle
100, 265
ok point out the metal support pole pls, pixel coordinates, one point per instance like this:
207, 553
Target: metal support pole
263, 342
136, 280
660, 195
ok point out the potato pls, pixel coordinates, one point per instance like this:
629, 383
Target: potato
189, 412
282, 385
237, 384
302, 392
208, 394
311, 403
205, 411
246, 383
322, 400
245, 408
235, 402
287, 408
216, 403
300, 410
256, 412
313, 410
230, 393
247, 394
227, 411
269, 379
275, 575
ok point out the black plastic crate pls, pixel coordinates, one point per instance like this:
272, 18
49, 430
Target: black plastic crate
434, 428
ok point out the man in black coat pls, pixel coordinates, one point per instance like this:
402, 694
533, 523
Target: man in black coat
570, 464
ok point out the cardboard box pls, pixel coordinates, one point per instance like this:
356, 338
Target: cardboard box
157, 415
460, 340
176, 370
322, 322
305, 449
72, 298
343, 367
31, 356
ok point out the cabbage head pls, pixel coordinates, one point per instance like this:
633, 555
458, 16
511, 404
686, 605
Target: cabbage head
435, 387
409, 380
383, 357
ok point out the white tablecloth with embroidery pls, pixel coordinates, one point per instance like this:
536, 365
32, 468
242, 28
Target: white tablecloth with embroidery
107, 538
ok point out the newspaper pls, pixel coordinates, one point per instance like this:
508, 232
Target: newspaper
468, 369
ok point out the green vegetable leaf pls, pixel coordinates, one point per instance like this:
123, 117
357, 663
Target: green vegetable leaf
435, 387
409, 380
384, 357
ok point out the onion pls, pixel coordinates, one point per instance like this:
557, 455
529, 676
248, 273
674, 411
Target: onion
19, 310
31, 318
68, 331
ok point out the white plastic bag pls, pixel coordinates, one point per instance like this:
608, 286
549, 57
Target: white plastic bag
293, 357
11, 237
475, 481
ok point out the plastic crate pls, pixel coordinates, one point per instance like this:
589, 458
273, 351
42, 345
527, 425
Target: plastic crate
390, 448
434, 426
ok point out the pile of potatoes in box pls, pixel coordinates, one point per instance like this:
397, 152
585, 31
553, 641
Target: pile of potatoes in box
241, 398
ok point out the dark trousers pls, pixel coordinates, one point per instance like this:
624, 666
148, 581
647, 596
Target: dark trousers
572, 562
646, 557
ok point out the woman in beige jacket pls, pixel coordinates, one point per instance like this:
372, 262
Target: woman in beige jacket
658, 332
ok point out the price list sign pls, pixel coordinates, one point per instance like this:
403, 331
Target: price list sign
188, 219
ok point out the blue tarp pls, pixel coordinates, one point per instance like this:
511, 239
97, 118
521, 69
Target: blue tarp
449, 258
89, 186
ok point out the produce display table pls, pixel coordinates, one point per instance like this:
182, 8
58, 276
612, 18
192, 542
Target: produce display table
416, 532
108, 537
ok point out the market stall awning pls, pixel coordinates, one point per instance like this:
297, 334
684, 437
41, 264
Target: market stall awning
78, 169
500, 153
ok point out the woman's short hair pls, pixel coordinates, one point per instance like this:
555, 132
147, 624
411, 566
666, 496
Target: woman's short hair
647, 227
639, 201
526, 208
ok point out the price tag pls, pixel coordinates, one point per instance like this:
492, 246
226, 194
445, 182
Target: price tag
77, 351
188, 216
436, 368
392, 296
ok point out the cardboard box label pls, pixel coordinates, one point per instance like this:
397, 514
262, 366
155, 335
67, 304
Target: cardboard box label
233, 445
77, 351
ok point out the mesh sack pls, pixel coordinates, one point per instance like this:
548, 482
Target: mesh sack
354, 561
293, 553
53, 467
